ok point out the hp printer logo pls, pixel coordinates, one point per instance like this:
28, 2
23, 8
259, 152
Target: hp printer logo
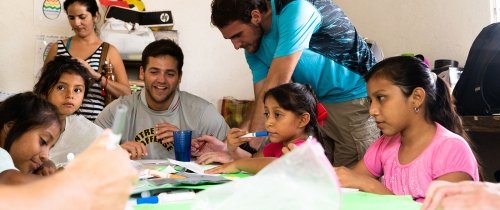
164, 17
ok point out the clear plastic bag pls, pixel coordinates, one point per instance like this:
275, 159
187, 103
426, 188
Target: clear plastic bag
129, 38
301, 179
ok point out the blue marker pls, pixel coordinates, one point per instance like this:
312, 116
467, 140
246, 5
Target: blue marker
165, 198
256, 134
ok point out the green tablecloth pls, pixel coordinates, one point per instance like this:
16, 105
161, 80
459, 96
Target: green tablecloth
350, 201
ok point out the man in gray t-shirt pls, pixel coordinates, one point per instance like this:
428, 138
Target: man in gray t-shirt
161, 108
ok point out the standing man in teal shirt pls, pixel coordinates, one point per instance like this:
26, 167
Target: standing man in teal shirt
310, 42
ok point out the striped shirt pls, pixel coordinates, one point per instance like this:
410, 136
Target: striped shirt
93, 103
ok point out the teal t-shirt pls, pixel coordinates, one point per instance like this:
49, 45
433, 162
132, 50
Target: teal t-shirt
331, 71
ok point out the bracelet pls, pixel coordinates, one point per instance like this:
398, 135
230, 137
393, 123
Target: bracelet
100, 78
105, 83
103, 90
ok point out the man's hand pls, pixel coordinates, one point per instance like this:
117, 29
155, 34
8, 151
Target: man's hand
462, 195
136, 150
206, 143
165, 132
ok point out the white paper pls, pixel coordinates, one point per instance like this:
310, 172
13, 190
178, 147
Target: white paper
195, 167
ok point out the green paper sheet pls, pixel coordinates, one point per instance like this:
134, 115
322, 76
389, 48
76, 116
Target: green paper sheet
350, 201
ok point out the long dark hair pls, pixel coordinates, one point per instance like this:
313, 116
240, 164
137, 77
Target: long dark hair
26, 111
299, 99
52, 71
91, 5
409, 73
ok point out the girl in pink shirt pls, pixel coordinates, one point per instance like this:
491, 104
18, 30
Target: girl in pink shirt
422, 136
291, 112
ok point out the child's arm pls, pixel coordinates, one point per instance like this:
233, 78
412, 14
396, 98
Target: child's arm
250, 165
14, 177
455, 177
360, 178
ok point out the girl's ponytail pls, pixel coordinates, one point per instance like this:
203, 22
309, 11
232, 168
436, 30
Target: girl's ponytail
443, 109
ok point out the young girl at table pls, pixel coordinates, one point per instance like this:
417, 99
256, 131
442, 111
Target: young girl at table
291, 117
64, 82
29, 127
422, 136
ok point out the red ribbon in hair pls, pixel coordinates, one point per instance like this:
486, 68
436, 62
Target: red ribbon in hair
321, 113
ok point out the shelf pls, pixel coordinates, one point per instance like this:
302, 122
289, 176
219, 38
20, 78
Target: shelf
481, 123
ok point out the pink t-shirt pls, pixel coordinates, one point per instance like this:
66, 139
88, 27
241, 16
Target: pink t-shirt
448, 152
274, 149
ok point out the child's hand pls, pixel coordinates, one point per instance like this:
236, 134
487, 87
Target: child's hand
227, 168
48, 167
347, 177
288, 148
214, 157
234, 140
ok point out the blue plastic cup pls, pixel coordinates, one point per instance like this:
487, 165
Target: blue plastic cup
182, 145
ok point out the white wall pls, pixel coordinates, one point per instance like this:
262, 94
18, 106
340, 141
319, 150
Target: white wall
213, 69
438, 29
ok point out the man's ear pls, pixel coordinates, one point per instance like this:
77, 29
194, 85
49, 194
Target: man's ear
141, 73
256, 17
304, 120
418, 97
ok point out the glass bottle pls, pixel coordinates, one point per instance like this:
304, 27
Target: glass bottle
108, 73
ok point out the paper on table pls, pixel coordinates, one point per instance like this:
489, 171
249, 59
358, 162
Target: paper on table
346, 189
195, 167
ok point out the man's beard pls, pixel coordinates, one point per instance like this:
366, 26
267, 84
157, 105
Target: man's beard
258, 31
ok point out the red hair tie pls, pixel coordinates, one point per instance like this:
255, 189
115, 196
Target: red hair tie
321, 113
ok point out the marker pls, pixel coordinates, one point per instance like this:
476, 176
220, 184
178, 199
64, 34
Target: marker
165, 198
118, 127
256, 134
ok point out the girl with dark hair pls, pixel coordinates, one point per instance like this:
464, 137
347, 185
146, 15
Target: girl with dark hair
88, 48
30, 126
292, 115
422, 136
64, 82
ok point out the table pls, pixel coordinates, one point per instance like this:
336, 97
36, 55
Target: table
481, 123
350, 201
484, 133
